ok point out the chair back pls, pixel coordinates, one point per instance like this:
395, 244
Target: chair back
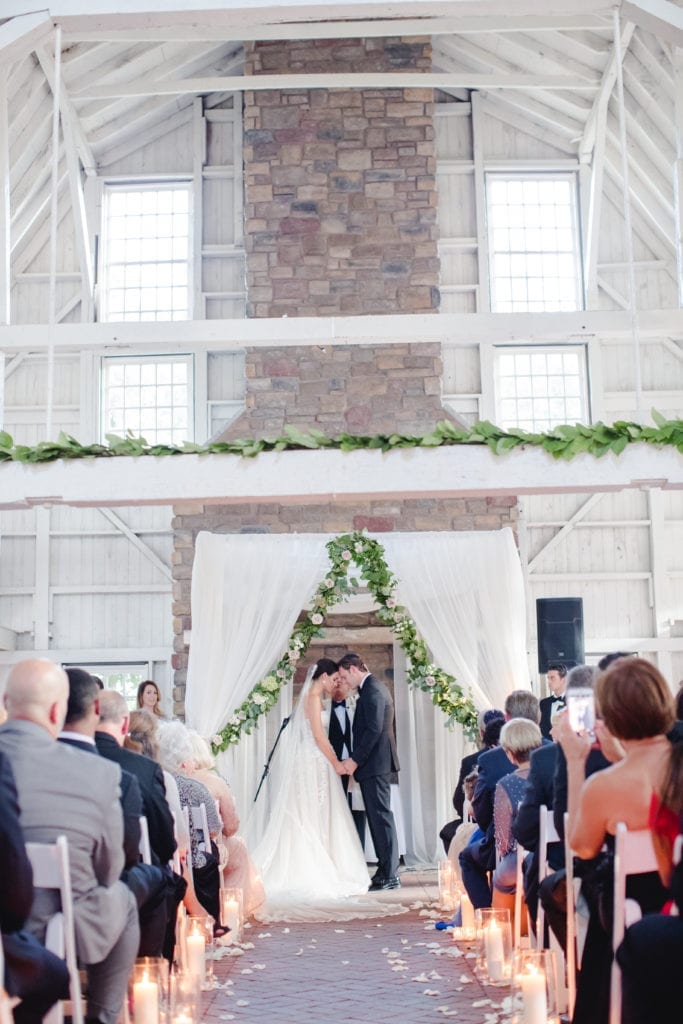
547, 833
571, 920
200, 823
50, 863
145, 847
634, 854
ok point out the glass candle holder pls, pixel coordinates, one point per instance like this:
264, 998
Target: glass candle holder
232, 914
199, 948
535, 988
494, 945
446, 878
148, 990
184, 998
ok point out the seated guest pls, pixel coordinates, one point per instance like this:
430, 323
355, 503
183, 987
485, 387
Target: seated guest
540, 791
518, 738
239, 870
652, 951
149, 699
142, 738
479, 857
58, 797
147, 882
176, 754
556, 677
33, 974
635, 706
466, 765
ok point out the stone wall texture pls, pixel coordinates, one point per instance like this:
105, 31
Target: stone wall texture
340, 184
357, 389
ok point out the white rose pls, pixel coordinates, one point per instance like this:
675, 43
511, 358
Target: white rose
346, 555
217, 739
358, 547
235, 720
329, 583
391, 602
316, 619
259, 699
430, 681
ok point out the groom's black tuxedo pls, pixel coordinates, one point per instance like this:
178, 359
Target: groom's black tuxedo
374, 751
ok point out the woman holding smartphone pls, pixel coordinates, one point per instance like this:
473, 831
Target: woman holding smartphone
635, 707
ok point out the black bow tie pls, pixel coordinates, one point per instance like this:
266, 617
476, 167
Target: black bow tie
338, 703
558, 700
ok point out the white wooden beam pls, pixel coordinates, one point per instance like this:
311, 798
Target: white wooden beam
450, 328
678, 169
598, 113
353, 80
41, 589
660, 17
5, 219
483, 299
70, 117
377, 27
20, 35
563, 533
591, 230
143, 548
298, 477
662, 612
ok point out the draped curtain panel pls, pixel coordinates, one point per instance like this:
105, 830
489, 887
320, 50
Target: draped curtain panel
466, 594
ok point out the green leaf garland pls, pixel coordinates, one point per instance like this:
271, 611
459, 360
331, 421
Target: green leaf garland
563, 442
368, 555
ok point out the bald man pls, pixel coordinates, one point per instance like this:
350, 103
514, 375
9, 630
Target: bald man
64, 791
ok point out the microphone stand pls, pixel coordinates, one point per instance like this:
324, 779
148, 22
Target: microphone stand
266, 767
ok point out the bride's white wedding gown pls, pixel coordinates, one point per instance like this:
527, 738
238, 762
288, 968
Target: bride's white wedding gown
309, 857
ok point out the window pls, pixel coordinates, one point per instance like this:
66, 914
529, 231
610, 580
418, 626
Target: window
146, 252
533, 243
537, 389
124, 679
150, 396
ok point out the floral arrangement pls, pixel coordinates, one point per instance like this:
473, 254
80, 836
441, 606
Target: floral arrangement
348, 553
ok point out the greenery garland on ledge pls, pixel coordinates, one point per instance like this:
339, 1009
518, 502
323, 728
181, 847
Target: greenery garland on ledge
563, 442
368, 556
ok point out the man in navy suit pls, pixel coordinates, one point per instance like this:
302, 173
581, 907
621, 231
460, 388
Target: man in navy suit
479, 857
372, 761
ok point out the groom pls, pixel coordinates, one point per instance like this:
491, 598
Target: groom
372, 761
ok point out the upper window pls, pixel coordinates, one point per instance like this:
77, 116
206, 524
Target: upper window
538, 389
146, 252
533, 243
148, 395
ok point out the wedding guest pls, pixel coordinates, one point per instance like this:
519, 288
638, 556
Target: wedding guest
33, 974
635, 707
518, 738
58, 797
652, 951
147, 882
556, 678
466, 765
239, 870
479, 857
149, 698
176, 755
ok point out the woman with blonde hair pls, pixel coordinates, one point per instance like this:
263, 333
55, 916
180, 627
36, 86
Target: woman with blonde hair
239, 871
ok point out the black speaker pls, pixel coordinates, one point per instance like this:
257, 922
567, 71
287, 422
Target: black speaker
559, 624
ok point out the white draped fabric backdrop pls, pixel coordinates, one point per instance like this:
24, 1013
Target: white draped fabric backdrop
466, 594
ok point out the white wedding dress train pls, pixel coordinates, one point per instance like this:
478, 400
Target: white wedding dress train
309, 857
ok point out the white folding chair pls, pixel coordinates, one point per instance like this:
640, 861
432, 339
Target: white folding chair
634, 854
50, 863
145, 848
196, 819
571, 920
547, 834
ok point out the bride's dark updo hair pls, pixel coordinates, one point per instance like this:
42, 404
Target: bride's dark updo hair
325, 667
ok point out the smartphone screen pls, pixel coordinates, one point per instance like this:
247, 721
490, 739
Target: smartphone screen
581, 709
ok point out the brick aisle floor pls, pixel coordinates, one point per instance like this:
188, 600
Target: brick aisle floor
388, 969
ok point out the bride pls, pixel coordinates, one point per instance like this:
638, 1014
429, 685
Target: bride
309, 857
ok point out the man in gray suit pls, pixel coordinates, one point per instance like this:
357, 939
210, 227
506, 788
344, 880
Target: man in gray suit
63, 791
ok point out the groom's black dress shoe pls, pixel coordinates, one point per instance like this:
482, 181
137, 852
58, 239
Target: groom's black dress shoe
385, 883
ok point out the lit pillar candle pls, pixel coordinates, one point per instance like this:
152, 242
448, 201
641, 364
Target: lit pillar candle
145, 1001
466, 914
231, 918
195, 945
493, 945
534, 1000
